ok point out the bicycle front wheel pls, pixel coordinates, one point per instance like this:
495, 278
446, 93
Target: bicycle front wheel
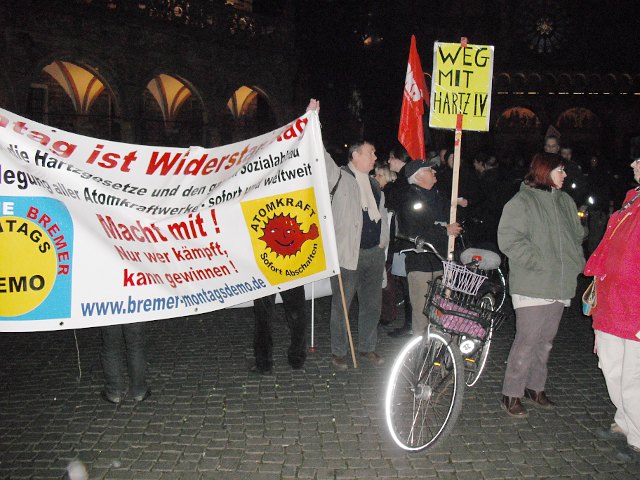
424, 393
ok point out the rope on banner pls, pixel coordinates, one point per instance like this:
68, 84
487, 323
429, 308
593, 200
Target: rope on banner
78, 356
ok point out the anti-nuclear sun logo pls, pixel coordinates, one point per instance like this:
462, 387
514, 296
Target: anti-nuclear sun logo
283, 235
286, 235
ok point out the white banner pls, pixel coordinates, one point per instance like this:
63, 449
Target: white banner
94, 232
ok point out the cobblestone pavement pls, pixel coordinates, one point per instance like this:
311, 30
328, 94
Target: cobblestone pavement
209, 418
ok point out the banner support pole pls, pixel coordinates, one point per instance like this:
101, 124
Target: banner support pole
346, 321
312, 348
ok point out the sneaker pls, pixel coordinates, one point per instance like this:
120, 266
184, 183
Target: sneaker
373, 357
110, 398
143, 396
339, 362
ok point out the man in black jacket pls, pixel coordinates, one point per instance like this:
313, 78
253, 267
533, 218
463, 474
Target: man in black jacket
424, 214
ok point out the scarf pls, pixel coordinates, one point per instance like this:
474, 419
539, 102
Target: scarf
367, 200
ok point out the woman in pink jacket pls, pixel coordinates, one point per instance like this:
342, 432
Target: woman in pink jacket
616, 318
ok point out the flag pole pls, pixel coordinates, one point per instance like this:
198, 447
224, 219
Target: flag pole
456, 173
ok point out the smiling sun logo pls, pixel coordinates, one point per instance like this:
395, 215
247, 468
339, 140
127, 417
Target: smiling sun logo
285, 235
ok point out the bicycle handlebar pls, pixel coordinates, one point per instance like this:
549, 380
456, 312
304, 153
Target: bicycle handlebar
421, 244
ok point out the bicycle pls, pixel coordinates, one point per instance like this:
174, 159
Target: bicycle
426, 386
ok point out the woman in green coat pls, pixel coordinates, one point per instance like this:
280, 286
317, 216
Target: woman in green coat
540, 233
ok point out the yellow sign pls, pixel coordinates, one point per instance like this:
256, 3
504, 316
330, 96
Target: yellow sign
285, 235
461, 84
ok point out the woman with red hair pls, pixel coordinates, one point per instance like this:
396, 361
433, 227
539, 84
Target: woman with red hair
540, 233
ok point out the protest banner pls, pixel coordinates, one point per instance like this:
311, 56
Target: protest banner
461, 84
94, 232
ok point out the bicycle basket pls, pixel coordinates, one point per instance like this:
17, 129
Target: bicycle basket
458, 312
459, 278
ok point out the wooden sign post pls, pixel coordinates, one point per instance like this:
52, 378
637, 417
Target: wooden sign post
460, 93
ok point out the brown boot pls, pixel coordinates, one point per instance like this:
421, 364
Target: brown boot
539, 398
513, 406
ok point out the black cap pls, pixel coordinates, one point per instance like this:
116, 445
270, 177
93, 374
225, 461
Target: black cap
413, 166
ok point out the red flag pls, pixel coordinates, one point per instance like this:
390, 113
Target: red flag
411, 131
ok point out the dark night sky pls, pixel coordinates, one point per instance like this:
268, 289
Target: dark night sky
597, 36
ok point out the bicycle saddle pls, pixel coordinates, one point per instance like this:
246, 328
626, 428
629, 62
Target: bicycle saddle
489, 260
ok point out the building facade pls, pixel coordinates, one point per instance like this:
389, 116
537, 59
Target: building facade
159, 72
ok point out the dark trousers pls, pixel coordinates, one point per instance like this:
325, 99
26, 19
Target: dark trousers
115, 338
403, 284
294, 309
388, 312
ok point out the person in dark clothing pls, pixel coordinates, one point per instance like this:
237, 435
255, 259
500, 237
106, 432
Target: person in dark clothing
576, 183
114, 338
394, 195
424, 214
494, 194
468, 191
293, 301
385, 178
398, 158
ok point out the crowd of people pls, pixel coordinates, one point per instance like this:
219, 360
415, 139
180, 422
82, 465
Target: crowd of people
530, 217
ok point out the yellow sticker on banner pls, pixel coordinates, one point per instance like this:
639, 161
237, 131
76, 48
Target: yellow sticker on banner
28, 266
285, 235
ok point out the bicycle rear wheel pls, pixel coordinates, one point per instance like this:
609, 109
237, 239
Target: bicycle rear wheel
496, 284
424, 393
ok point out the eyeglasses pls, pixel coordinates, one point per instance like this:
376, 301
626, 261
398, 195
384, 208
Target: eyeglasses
559, 169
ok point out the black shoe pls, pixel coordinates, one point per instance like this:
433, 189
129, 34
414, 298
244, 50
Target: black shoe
296, 364
110, 398
261, 370
400, 331
142, 397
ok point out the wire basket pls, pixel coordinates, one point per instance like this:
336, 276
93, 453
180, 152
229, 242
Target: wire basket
458, 312
459, 278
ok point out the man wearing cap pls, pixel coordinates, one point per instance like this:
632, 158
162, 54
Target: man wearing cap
424, 214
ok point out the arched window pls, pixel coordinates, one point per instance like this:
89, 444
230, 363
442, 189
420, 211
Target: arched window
72, 97
172, 114
252, 113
